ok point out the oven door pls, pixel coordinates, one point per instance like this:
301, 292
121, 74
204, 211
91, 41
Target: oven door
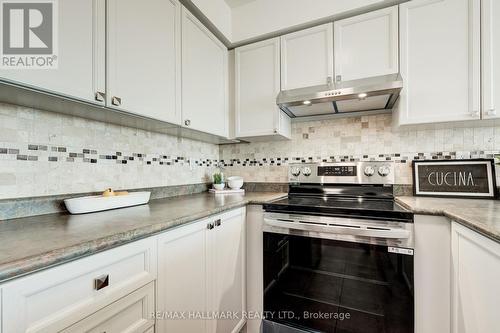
333, 280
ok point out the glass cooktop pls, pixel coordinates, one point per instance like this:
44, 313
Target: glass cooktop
385, 209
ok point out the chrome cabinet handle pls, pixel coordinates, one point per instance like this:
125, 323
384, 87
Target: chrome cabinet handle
210, 226
218, 223
116, 101
187, 122
101, 282
338, 78
100, 96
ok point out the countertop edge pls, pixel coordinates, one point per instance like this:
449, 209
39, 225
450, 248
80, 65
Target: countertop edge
454, 217
29, 265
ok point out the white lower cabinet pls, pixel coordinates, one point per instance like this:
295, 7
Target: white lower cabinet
189, 279
476, 276
201, 275
131, 314
182, 278
432, 274
55, 299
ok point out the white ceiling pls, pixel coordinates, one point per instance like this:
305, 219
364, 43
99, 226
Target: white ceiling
237, 3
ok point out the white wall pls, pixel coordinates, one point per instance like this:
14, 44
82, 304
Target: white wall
264, 16
219, 13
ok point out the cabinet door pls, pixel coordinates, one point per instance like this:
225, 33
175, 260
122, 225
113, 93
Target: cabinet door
257, 76
367, 45
227, 255
53, 299
81, 54
130, 314
182, 278
440, 61
143, 61
491, 57
432, 274
476, 272
204, 78
307, 57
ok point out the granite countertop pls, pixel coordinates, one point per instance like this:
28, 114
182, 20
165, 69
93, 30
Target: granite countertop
34, 243
482, 216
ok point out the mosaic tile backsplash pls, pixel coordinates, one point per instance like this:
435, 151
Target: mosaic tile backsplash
44, 153
362, 138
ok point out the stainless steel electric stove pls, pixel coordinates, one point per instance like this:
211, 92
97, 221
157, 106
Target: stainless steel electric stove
338, 252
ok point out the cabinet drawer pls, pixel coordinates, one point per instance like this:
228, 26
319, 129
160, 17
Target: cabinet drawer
56, 298
131, 314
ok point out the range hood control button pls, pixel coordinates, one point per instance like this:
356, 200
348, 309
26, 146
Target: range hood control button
369, 171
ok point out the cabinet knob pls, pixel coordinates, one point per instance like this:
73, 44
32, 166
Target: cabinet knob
218, 223
338, 78
492, 112
210, 226
101, 282
116, 101
187, 122
475, 113
100, 96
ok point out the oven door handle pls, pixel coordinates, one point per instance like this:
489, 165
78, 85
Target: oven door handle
354, 230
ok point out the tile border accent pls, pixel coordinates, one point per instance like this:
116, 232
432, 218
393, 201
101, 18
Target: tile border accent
39, 153
396, 157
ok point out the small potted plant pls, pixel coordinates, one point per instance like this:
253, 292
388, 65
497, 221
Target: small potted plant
218, 180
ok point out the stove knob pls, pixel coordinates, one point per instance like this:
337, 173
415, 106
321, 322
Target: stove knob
369, 171
384, 171
295, 171
306, 171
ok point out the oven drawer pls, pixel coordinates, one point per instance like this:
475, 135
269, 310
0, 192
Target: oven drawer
56, 298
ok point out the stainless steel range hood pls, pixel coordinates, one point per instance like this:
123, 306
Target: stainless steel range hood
375, 93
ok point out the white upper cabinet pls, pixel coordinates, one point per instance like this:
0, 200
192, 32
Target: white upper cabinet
257, 84
204, 78
476, 272
81, 54
307, 57
440, 61
367, 45
143, 61
491, 57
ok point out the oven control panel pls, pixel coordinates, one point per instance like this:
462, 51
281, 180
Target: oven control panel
337, 170
374, 172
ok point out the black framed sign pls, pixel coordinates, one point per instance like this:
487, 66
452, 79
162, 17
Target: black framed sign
455, 178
